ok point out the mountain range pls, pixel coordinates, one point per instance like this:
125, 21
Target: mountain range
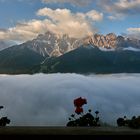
51, 53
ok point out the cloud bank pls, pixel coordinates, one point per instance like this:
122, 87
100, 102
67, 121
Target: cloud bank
134, 33
119, 9
60, 21
47, 100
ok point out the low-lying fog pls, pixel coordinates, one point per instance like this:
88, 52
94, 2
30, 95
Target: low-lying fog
48, 99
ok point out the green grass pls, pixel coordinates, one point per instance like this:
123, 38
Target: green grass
9, 130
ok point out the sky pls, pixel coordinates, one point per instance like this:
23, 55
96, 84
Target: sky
22, 20
47, 100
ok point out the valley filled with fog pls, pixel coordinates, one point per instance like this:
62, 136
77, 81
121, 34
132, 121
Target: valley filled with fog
47, 99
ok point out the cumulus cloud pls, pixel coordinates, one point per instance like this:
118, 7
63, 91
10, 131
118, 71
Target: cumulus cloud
23, 31
128, 5
116, 16
30, 1
134, 33
95, 15
48, 99
121, 7
74, 24
60, 21
73, 2
133, 30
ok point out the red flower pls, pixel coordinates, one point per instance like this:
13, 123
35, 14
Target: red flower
79, 102
79, 110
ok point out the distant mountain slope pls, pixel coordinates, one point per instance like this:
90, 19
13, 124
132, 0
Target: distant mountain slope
51, 44
93, 60
17, 59
51, 52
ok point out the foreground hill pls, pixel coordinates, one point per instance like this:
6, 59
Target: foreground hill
17, 60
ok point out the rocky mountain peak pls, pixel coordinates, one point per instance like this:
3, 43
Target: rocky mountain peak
111, 41
51, 44
105, 41
111, 36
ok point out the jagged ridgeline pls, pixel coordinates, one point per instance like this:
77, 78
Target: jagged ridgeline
52, 52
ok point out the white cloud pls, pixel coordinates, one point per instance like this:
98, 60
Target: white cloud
30, 1
112, 18
120, 7
116, 16
23, 31
95, 15
48, 99
127, 4
60, 21
74, 2
134, 33
133, 30
74, 24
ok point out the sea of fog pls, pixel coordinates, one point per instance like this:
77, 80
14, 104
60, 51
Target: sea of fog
47, 100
